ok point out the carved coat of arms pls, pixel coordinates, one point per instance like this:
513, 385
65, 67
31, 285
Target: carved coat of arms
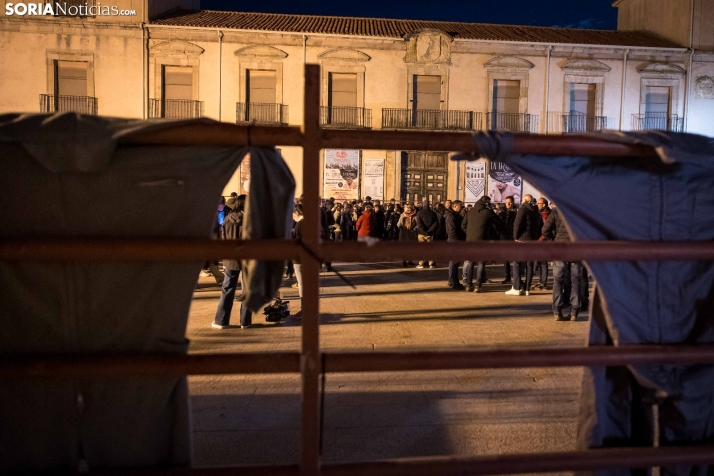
704, 87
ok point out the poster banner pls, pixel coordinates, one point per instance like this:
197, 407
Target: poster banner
503, 182
374, 178
245, 175
475, 181
341, 175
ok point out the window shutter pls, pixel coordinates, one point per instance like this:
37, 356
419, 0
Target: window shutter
657, 99
343, 89
582, 99
261, 86
506, 96
178, 82
72, 78
427, 91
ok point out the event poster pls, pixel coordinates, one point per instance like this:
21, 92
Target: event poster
341, 176
374, 178
503, 182
475, 181
245, 175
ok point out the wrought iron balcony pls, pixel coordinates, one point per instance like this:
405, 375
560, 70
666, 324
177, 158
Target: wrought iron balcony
261, 113
341, 116
660, 121
175, 108
430, 119
579, 122
514, 122
79, 104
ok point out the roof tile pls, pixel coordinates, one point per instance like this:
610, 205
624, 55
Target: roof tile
388, 28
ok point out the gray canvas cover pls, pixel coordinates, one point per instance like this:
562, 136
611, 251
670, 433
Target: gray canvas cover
66, 175
639, 302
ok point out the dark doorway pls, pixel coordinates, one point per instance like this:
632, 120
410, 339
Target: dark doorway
424, 174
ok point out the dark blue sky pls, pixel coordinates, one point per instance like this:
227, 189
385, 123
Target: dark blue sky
572, 13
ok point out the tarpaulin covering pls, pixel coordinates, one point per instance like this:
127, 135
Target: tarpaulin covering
66, 175
638, 302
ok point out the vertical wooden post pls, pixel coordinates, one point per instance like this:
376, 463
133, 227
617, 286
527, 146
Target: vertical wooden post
310, 359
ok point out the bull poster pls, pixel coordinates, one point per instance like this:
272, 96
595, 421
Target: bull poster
374, 178
503, 181
475, 181
341, 174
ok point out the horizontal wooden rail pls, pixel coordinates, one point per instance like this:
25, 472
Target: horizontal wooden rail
217, 134
187, 249
517, 358
76, 366
534, 144
144, 249
116, 365
566, 461
498, 251
232, 135
610, 458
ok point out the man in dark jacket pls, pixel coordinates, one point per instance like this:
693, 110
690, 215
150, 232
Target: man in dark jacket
508, 218
527, 227
480, 224
380, 220
454, 232
555, 228
427, 223
231, 230
541, 267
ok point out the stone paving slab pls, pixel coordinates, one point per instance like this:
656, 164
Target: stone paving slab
255, 419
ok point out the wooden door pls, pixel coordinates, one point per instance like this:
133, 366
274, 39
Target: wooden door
424, 175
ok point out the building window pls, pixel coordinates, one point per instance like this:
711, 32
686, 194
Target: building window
658, 111
261, 86
506, 96
261, 105
342, 90
71, 78
177, 95
582, 99
178, 83
427, 92
658, 100
70, 89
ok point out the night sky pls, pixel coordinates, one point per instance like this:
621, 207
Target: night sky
569, 13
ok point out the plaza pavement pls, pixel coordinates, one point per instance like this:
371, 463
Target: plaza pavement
255, 419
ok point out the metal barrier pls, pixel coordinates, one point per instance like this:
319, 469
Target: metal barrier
310, 362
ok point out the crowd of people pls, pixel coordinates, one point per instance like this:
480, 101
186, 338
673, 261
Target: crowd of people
452, 220
448, 220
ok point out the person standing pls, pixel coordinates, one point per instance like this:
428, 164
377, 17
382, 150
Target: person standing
527, 227
231, 230
454, 233
508, 218
297, 236
542, 266
366, 224
480, 224
555, 228
379, 218
408, 228
427, 226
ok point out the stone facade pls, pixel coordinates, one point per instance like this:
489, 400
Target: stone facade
125, 60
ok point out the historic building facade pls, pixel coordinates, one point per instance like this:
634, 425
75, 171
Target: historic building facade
172, 60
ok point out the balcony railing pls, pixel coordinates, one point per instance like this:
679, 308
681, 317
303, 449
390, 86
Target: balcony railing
579, 122
342, 116
660, 121
261, 113
175, 108
430, 119
514, 122
79, 104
